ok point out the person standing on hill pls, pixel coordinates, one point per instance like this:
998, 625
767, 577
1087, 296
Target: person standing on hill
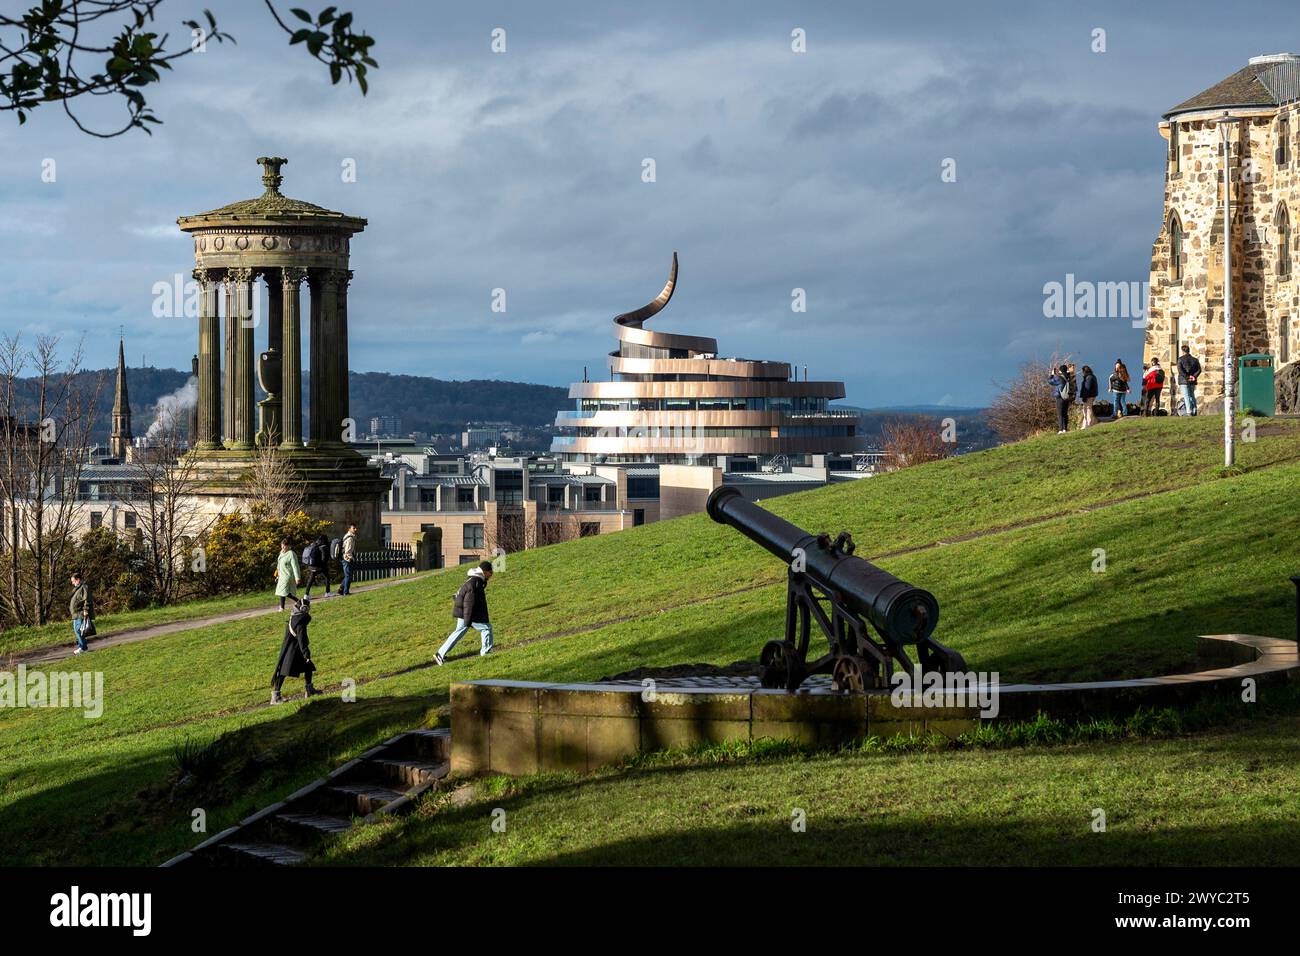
470, 610
1087, 395
288, 573
82, 609
1189, 369
316, 561
346, 557
1153, 382
295, 653
1119, 386
1062, 383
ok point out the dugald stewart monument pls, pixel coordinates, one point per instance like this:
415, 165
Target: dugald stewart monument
298, 249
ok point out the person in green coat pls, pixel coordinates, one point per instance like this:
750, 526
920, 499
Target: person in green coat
287, 574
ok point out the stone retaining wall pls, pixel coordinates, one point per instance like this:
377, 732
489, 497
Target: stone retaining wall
519, 727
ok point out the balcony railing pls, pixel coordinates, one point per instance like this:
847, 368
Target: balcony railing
448, 506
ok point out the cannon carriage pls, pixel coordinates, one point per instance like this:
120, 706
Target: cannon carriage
848, 598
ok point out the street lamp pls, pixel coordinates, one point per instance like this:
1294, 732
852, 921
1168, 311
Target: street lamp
1225, 124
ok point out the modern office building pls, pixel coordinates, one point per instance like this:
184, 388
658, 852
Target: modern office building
673, 400
673, 407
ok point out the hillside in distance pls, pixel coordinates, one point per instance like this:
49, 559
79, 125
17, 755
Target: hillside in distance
423, 404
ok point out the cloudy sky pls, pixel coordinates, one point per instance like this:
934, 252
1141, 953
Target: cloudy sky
775, 170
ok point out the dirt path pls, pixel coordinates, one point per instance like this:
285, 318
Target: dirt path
58, 652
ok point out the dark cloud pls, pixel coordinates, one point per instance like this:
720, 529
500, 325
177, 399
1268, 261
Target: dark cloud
775, 171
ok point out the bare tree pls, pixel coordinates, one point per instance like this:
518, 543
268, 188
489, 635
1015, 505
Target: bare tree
45, 428
565, 527
276, 489
1025, 405
510, 533
169, 514
912, 441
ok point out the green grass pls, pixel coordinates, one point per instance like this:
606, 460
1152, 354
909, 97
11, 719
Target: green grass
1227, 798
1204, 555
16, 639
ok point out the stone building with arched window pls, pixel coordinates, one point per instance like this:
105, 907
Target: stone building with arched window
1185, 305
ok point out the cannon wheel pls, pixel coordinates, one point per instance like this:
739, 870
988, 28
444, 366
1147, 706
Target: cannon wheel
779, 659
849, 673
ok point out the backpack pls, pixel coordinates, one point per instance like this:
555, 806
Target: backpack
308, 555
1160, 376
336, 549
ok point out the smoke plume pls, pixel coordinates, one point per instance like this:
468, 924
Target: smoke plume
172, 409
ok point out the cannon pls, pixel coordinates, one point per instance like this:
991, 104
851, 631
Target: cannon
847, 596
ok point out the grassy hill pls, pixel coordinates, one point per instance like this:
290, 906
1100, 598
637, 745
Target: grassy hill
1006, 539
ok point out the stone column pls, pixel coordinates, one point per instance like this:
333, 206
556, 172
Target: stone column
314, 412
326, 423
291, 277
344, 398
208, 434
244, 411
228, 364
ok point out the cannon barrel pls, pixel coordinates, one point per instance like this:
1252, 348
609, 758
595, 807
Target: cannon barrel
900, 612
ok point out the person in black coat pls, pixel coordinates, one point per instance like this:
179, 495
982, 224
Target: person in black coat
1088, 388
295, 653
470, 609
318, 567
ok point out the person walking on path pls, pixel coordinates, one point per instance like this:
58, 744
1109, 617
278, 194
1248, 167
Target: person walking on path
316, 559
470, 610
1088, 395
1119, 387
295, 653
1062, 383
1189, 369
288, 572
347, 556
82, 609
1153, 382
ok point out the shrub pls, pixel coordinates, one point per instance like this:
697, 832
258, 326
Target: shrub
241, 551
1025, 405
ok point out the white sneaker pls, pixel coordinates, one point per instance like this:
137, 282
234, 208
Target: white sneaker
438, 659
76, 650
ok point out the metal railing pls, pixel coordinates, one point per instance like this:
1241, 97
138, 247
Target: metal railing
388, 562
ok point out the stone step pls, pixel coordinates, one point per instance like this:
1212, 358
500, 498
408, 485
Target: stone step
409, 773
266, 854
320, 823
429, 745
360, 799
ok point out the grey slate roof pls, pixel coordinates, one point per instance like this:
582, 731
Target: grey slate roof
1257, 84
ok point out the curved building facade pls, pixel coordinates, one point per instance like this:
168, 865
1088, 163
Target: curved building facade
673, 400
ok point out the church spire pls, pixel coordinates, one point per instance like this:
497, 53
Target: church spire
120, 438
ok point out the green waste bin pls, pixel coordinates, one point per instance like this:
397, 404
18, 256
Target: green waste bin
1255, 383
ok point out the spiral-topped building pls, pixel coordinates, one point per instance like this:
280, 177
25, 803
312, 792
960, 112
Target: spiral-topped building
672, 400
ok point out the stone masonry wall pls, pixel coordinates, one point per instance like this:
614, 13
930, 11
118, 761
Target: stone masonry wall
1265, 306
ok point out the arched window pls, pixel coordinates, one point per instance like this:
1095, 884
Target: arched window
1175, 247
1283, 242
1174, 158
1283, 138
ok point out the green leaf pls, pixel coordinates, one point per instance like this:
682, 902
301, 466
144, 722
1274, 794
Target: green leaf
336, 72
299, 36
301, 14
